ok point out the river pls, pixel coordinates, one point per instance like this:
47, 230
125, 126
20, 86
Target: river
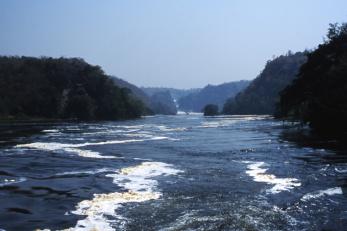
184, 172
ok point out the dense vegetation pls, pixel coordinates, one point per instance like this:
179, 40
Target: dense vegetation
62, 88
261, 96
319, 95
211, 95
137, 93
156, 100
211, 110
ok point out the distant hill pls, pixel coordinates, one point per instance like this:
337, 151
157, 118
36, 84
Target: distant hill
157, 100
63, 88
175, 93
163, 103
211, 94
261, 96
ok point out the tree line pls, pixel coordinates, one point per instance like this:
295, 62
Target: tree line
309, 86
318, 96
61, 88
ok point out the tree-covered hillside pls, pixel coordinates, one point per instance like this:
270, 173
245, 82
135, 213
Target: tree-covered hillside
211, 94
136, 92
319, 95
261, 96
62, 88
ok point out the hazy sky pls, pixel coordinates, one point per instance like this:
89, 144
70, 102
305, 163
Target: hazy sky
176, 43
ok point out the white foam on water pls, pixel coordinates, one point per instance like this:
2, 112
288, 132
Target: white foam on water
255, 117
140, 186
130, 126
12, 181
74, 148
91, 172
139, 178
110, 131
74, 129
50, 130
120, 141
341, 170
217, 124
139, 135
320, 193
109, 142
70, 148
44, 146
142, 159
225, 121
209, 125
196, 113
168, 129
89, 154
259, 175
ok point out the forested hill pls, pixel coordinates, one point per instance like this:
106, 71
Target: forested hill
136, 92
211, 94
175, 93
261, 96
319, 95
63, 88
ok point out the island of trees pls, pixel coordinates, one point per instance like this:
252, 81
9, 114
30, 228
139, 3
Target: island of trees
211, 110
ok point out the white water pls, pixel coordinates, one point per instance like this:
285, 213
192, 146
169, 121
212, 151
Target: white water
86, 172
74, 148
10, 181
320, 193
259, 175
140, 185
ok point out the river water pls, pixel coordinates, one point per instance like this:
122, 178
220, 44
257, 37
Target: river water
185, 172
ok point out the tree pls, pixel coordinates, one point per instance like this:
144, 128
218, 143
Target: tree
318, 95
261, 96
211, 110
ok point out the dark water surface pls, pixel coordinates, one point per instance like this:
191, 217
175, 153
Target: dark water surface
182, 172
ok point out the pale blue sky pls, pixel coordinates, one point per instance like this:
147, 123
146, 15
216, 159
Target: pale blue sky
173, 43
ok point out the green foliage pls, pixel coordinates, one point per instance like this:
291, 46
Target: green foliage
211, 110
318, 96
61, 88
135, 93
261, 96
